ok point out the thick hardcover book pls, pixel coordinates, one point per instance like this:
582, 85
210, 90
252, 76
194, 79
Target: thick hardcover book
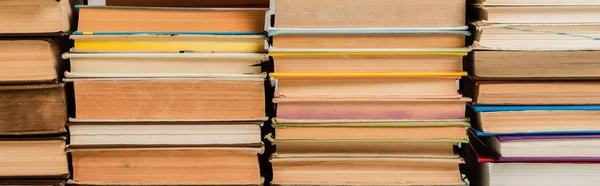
506, 120
367, 14
203, 20
33, 157
166, 166
32, 109
35, 17
29, 60
384, 139
169, 99
538, 64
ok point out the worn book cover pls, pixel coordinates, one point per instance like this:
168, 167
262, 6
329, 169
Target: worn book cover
32, 109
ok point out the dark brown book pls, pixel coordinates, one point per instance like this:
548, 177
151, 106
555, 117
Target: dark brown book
191, 3
33, 182
32, 109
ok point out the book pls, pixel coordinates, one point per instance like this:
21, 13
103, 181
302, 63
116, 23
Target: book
373, 131
178, 166
348, 110
551, 13
173, 43
366, 14
536, 119
32, 109
169, 99
550, 174
366, 85
33, 158
164, 64
354, 148
546, 147
539, 36
33, 182
411, 39
184, 3
203, 20
536, 93
26, 61
140, 134
35, 17
326, 139
538, 2
549, 64
366, 63
366, 171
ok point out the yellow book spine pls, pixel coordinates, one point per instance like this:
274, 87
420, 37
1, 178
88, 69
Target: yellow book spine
276, 54
393, 74
167, 45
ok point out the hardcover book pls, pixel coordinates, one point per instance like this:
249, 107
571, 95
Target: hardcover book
26, 157
430, 62
178, 166
366, 85
34, 182
175, 43
184, 3
348, 110
169, 99
165, 64
35, 17
366, 171
202, 20
171, 134
571, 12
546, 37
530, 119
512, 64
32, 109
366, 14
29, 61
536, 93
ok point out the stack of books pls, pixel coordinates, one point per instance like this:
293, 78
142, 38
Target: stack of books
33, 108
167, 93
536, 92
366, 91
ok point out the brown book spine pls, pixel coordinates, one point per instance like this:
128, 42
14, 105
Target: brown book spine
32, 109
